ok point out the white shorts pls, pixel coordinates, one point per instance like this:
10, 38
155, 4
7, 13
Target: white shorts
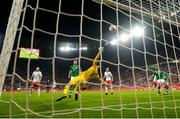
161, 81
54, 85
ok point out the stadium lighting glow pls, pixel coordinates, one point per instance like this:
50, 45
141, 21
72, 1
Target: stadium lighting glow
114, 42
68, 48
83, 48
137, 31
175, 61
124, 37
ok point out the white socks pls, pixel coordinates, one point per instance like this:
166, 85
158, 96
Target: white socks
39, 92
106, 89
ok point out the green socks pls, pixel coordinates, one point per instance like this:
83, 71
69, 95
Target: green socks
71, 89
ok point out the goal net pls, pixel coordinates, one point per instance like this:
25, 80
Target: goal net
141, 41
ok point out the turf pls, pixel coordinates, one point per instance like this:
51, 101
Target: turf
92, 104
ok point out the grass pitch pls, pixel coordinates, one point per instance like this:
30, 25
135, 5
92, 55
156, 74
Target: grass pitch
92, 104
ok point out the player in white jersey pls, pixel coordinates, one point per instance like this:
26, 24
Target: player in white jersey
54, 86
108, 79
36, 79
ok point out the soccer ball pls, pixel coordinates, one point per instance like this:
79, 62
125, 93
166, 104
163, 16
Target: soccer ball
112, 28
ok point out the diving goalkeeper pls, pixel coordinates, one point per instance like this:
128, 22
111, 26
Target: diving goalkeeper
84, 77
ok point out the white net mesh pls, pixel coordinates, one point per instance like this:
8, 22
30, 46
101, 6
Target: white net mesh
145, 36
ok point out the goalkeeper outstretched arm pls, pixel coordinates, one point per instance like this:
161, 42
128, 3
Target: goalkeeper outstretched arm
101, 49
98, 56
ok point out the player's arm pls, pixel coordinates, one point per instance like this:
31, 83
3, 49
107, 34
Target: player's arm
97, 56
104, 77
80, 70
40, 77
70, 71
32, 76
69, 74
112, 77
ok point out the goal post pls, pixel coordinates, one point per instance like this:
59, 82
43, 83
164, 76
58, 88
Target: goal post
9, 39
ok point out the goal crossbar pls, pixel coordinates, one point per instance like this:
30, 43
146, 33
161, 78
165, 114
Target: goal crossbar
136, 11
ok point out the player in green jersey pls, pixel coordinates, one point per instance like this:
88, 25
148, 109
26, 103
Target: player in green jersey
154, 77
73, 72
163, 80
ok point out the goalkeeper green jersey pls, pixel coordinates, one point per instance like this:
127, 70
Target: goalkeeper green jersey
74, 70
